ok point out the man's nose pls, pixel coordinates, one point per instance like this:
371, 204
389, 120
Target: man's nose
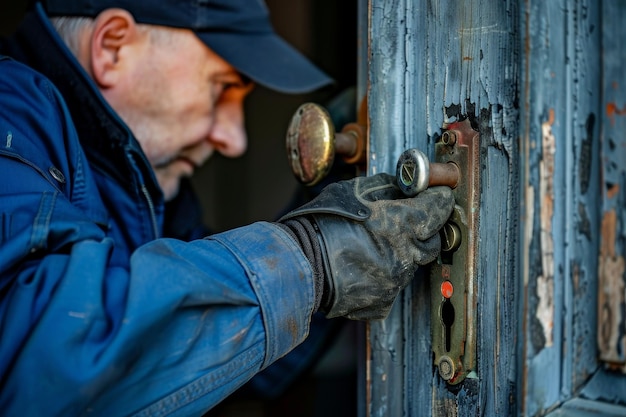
228, 134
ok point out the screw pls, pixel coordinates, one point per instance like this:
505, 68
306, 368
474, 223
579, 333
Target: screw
448, 137
446, 368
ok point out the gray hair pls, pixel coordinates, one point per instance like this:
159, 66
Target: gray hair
69, 29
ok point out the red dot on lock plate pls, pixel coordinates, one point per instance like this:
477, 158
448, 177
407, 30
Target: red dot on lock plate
447, 289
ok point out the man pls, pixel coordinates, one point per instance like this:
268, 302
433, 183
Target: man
102, 115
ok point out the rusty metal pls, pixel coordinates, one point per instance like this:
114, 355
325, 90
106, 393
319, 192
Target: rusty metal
446, 368
454, 338
355, 135
453, 317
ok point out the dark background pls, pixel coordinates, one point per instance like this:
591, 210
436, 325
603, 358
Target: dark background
259, 185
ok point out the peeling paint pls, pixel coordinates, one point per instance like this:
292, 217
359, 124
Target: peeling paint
575, 276
585, 157
612, 191
445, 407
584, 224
611, 295
545, 282
612, 110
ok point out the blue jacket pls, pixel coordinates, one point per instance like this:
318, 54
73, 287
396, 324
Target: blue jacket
100, 314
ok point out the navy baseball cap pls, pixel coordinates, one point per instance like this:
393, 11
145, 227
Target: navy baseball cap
239, 31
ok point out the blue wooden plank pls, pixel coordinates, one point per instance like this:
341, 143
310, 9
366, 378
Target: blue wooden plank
433, 63
604, 386
584, 408
389, 130
612, 296
560, 137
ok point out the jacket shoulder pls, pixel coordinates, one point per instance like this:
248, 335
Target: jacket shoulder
35, 126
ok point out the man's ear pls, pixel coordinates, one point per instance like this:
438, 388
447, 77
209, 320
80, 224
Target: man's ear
114, 30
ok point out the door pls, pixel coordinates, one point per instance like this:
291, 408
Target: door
542, 84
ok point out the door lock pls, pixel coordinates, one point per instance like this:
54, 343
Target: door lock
453, 276
312, 144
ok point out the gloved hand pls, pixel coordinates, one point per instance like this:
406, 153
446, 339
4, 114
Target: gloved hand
372, 241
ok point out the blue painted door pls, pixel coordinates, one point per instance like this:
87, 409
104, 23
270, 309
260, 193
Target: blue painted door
543, 82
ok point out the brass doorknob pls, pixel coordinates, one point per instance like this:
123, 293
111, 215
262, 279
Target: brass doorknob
312, 143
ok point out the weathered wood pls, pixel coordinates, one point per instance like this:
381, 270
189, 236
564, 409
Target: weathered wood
612, 279
560, 144
584, 408
542, 81
433, 63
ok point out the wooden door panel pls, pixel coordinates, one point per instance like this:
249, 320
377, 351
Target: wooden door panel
560, 143
612, 266
542, 82
430, 64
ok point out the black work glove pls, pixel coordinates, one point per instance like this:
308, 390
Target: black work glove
372, 240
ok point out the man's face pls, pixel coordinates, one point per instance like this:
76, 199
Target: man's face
182, 102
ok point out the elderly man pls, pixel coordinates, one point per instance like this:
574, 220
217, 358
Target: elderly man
105, 105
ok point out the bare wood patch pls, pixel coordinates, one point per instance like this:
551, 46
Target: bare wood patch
545, 282
611, 296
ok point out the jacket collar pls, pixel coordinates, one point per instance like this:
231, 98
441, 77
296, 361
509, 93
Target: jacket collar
110, 146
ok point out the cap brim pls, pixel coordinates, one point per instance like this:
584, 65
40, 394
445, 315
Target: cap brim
268, 60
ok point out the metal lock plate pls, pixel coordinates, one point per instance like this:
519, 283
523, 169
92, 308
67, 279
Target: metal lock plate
453, 276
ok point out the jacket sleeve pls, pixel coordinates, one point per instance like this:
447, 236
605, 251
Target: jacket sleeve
170, 331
